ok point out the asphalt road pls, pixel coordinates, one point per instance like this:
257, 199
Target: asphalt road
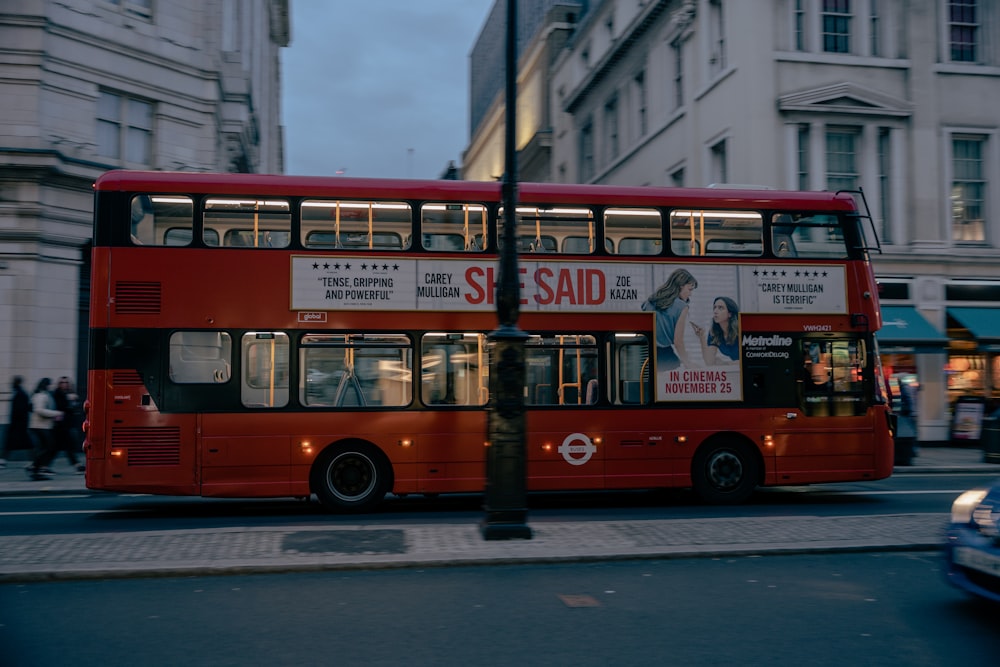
843, 609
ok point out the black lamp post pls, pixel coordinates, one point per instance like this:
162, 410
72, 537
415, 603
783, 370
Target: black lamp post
506, 493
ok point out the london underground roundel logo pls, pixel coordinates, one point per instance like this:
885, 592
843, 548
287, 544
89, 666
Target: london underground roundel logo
577, 449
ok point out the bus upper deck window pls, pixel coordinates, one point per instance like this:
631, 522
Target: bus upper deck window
453, 227
634, 231
800, 234
719, 233
161, 220
550, 228
342, 224
247, 222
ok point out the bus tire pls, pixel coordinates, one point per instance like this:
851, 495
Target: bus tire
351, 477
725, 471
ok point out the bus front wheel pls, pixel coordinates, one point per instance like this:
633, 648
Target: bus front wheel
351, 478
724, 472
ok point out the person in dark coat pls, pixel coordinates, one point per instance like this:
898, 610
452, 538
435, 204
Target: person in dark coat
63, 436
17, 436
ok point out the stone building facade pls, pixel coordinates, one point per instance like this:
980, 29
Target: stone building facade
92, 85
898, 97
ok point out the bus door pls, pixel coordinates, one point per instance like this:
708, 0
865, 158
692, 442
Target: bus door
565, 436
641, 449
829, 428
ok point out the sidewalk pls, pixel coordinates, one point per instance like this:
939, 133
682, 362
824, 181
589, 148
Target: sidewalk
328, 547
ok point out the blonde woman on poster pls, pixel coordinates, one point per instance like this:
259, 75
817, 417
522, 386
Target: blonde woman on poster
670, 303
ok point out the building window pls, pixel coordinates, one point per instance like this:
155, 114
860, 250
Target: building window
640, 102
677, 178
802, 172
841, 159
884, 149
876, 25
124, 129
230, 25
800, 26
678, 75
717, 163
968, 189
837, 26
963, 30
587, 152
611, 127
717, 34
140, 8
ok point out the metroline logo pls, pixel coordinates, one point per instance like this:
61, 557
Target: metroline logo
770, 341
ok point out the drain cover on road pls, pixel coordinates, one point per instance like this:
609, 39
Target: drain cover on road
346, 542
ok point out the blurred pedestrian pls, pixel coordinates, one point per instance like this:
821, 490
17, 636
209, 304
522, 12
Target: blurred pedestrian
63, 434
17, 429
43, 417
906, 425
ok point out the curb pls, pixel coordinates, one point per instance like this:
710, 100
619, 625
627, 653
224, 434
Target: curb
212, 552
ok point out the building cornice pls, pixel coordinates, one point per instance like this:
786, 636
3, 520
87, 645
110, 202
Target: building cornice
643, 22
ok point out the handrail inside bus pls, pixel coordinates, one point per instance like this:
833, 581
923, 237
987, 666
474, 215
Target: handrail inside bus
336, 227
579, 373
484, 391
642, 384
349, 381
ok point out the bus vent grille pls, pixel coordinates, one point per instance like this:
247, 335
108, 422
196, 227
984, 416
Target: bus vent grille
137, 298
149, 446
126, 379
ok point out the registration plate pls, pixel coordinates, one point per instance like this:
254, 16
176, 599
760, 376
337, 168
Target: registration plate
978, 560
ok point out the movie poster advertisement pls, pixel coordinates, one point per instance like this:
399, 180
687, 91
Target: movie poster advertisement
695, 307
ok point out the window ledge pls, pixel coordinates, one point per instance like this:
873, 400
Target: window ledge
966, 69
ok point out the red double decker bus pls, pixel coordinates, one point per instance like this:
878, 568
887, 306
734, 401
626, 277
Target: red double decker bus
265, 336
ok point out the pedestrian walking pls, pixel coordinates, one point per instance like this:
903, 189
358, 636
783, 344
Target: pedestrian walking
63, 434
43, 417
17, 436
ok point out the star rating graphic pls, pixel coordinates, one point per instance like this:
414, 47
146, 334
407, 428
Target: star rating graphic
775, 273
374, 266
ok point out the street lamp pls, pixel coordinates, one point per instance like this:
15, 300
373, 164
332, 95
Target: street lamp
506, 492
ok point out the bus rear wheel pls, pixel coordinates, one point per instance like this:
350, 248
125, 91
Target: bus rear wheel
724, 472
351, 478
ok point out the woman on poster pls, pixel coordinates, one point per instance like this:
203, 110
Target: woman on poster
670, 303
721, 347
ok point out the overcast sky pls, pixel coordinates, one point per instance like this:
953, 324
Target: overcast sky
378, 87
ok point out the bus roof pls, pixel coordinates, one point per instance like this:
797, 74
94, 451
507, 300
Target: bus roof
447, 190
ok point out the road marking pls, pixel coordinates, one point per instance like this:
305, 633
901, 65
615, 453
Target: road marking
929, 492
51, 512
579, 601
833, 491
46, 496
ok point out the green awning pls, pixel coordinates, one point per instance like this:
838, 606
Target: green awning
905, 330
982, 323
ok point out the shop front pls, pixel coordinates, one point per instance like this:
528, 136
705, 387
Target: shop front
973, 367
913, 353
